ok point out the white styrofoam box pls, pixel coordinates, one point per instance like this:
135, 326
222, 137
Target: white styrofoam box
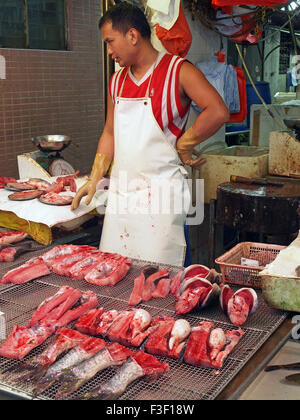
262, 124
2, 326
250, 162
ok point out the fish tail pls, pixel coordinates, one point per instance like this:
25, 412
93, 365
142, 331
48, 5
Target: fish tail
97, 394
44, 383
68, 387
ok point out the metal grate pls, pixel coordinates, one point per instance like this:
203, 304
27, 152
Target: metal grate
182, 382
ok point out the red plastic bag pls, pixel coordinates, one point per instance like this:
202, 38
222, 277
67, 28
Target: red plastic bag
248, 32
266, 3
240, 116
178, 39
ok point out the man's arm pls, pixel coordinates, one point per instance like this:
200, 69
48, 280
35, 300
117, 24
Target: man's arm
103, 159
106, 141
193, 86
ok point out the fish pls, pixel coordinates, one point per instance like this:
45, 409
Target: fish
32, 269
79, 270
87, 302
130, 327
64, 340
22, 340
85, 350
50, 303
55, 199
109, 272
137, 366
25, 195
19, 186
240, 305
8, 238
63, 265
209, 347
88, 323
106, 320
5, 180
136, 296
62, 250
149, 286
11, 253
39, 183
112, 355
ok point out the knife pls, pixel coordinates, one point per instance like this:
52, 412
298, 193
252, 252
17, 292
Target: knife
255, 181
293, 379
291, 366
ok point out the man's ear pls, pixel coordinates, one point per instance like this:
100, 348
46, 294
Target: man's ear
133, 36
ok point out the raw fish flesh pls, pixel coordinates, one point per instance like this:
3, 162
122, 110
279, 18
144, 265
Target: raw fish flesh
55, 199
109, 272
137, 366
112, 355
88, 323
25, 195
85, 350
50, 303
208, 347
7, 238
11, 253
32, 269
239, 305
136, 296
22, 340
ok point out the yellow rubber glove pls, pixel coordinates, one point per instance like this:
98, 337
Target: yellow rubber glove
185, 148
100, 167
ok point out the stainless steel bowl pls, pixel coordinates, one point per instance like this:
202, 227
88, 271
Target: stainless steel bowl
292, 123
51, 143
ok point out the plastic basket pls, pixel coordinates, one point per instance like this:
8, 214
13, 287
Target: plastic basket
232, 270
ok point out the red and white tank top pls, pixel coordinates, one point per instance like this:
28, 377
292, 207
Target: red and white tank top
166, 104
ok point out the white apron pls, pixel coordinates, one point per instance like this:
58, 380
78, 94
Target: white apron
148, 198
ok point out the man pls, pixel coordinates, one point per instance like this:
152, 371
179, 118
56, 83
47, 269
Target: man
148, 104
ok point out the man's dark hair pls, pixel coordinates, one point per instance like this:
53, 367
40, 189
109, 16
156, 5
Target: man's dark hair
124, 16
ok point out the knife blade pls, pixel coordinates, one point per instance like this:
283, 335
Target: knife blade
256, 181
291, 366
293, 379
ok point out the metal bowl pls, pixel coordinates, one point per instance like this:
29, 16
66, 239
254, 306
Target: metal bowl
292, 123
51, 143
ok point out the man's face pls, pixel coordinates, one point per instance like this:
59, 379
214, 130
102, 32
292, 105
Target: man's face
118, 45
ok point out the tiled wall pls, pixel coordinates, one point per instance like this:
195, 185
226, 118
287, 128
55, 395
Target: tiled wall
55, 92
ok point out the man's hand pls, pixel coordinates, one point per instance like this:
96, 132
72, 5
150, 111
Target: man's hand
100, 167
185, 148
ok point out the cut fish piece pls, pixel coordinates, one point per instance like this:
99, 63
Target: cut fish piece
109, 272
80, 269
22, 340
50, 303
87, 302
136, 296
197, 352
7, 238
150, 283
138, 365
88, 323
25, 195
162, 289
11, 253
32, 269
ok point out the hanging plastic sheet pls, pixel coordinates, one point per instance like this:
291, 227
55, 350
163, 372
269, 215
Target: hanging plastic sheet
266, 3
241, 80
179, 38
223, 78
